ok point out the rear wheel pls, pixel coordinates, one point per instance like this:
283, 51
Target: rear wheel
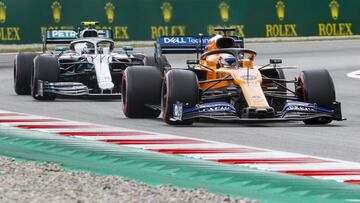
160, 63
317, 87
46, 68
23, 65
178, 86
141, 87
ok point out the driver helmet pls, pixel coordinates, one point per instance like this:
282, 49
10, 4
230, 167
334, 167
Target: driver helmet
227, 60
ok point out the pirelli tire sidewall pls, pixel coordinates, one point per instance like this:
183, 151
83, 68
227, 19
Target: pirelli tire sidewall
141, 88
317, 87
23, 65
46, 68
179, 86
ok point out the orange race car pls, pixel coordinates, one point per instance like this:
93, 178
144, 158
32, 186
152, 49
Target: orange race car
224, 84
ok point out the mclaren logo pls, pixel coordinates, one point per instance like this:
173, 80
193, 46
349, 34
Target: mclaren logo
56, 11
166, 11
224, 11
280, 7
110, 12
334, 9
2, 12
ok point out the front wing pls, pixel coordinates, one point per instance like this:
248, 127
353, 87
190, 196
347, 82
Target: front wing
222, 111
72, 89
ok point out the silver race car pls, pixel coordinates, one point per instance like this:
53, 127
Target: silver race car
89, 66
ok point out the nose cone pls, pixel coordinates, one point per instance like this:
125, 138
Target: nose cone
106, 85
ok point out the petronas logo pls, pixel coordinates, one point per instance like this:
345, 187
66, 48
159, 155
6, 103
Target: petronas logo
224, 11
110, 12
2, 12
56, 10
280, 7
334, 9
167, 11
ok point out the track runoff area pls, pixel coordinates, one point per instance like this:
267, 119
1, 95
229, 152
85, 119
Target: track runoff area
279, 161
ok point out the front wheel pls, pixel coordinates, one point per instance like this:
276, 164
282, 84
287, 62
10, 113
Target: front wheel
141, 88
317, 87
46, 69
178, 86
23, 65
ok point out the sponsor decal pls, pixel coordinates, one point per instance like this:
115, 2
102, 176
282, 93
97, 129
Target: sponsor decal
183, 40
7, 33
280, 8
110, 12
335, 29
62, 34
2, 12
299, 108
10, 34
281, 30
214, 107
224, 11
158, 31
334, 9
239, 30
56, 11
166, 11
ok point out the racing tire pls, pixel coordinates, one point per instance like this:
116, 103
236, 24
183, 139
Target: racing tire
141, 86
160, 63
23, 65
178, 86
317, 87
46, 68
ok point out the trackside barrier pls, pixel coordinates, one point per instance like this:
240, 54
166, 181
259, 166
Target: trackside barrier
24, 21
155, 168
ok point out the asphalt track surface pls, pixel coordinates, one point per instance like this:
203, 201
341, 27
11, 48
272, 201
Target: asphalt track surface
339, 140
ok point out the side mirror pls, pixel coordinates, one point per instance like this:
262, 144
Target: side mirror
192, 62
275, 61
127, 48
62, 49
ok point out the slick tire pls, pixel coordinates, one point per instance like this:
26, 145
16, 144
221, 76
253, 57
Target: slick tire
160, 63
178, 86
46, 68
23, 65
141, 86
317, 87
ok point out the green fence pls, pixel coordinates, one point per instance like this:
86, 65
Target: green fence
23, 21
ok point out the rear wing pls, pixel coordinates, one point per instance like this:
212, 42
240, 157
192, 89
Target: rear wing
181, 44
67, 36
106, 34
187, 44
58, 37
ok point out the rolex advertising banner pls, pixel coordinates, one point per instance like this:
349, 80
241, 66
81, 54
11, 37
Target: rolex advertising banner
24, 21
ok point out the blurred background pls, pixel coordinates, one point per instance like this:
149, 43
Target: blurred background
24, 21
